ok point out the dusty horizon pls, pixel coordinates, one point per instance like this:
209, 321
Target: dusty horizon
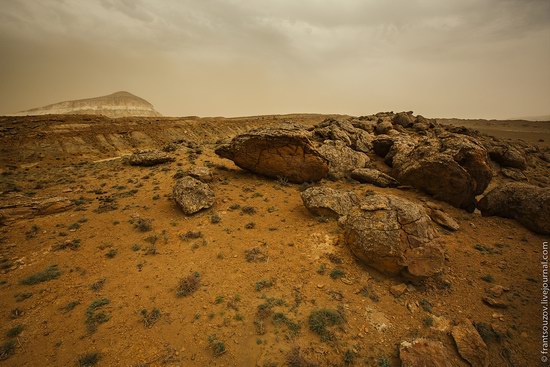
437, 58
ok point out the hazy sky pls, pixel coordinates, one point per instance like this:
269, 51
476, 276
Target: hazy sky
440, 58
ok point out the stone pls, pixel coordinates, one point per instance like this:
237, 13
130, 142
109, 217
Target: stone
453, 168
192, 195
382, 144
149, 158
373, 176
528, 204
327, 202
514, 174
404, 119
383, 127
470, 345
507, 156
423, 353
398, 289
342, 159
496, 303
444, 220
203, 174
277, 152
394, 236
496, 290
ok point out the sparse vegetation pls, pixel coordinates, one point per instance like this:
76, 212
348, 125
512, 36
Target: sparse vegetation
88, 360
50, 273
321, 320
488, 278
255, 254
95, 317
262, 284
337, 273
14, 331
70, 306
217, 346
149, 318
7, 349
188, 285
142, 224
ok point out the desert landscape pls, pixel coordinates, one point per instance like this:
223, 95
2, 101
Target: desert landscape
287, 240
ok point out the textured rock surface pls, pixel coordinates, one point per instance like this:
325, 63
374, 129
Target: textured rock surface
277, 152
151, 158
119, 104
453, 168
393, 235
327, 202
192, 195
423, 353
373, 176
444, 220
203, 174
470, 345
528, 204
342, 159
507, 156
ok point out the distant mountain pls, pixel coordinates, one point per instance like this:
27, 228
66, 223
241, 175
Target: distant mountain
535, 118
119, 104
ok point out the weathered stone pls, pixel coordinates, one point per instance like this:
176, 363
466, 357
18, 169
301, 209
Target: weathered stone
277, 152
149, 158
444, 220
404, 119
394, 236
507, 156
398, 289
342, 159
496, 303
327, 202
423, 353
373, 176
528, 204
470, 345
192, 195
453, 168
382, 144
203, 174
514, 174
383, 127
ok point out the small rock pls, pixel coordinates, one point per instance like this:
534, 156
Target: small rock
201, 173
444, 220
423, 353
192, 195
496, 291
149, 158
494, 302
398, 290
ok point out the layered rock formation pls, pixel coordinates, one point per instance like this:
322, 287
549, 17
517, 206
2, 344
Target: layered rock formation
119, 104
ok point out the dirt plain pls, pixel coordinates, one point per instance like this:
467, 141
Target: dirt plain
121, 246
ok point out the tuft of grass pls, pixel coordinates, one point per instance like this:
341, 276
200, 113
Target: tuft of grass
74, 226
143, 225
281, 318
488, 278
486, 332
262, 284
95, 317
70, 306
20, 297
428, 321
337, 273
149, 318
111, 253
295, 359
255, 254
320, 320
383, 362
88, 359
250, 210
426, 305
14, 331
349, 357
136, 247
217, 346
96, 286
7, 349
50, 273
215, 219
188, 285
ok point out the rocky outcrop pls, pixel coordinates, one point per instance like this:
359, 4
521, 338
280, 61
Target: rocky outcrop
373, 176
470, 344
528, 204
120, 104
277, 152
394, 236
342, 159
149, 158
192, 195
507, 156
424, 353
444, 220
203, 174
453, 168
327, 202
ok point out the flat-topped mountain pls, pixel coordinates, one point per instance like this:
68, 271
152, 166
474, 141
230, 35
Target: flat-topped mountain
119, 104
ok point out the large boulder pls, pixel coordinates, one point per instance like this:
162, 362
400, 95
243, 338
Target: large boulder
470, 345
507, 156
373, 176
528, 204
394, 236
453, 168
342, 159
424, 353
192, 195
404, 119
327, 202
277, 152
149, 158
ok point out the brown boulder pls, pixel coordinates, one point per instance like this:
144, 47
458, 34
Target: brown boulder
444, 220
528, 204
470, 345
150, 158
327, 202
342, 159
507, 156
192, 195
373, 176
423, 353
453, 168
277, 152
394, 236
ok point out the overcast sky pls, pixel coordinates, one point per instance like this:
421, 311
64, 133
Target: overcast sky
439, 58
